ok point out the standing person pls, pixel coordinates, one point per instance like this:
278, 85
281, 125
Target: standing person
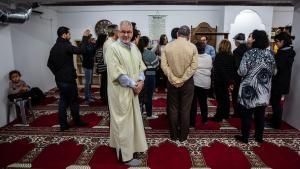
281, 81
88, 66
112, 31
256, 69
61, 64
240, 43
202, 84
136, 36
179, 63
161, 79
208, 48
101, 67
174, 34
125, 69
152, 62
223, 78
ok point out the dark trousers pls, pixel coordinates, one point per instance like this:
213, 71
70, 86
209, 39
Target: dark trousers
259, 118
179, 106
235, 93
149, 89
35, 93
161, 79
68, 98
103, 87
200, 94
222, 96
277, 110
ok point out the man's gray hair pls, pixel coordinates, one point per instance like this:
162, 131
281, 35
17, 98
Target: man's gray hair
184, 31
125, 22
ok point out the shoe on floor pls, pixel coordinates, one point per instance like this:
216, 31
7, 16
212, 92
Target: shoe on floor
134, 162
63, 128
216, 119
81, 124
259, 140
241, 139
152, 117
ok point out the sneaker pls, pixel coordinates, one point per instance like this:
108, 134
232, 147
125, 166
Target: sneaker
134, 162
152, 117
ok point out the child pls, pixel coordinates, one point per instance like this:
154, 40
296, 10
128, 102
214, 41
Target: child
18, 89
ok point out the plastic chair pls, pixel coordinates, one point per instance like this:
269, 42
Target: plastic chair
22, 105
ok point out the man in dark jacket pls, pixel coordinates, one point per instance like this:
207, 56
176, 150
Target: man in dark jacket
61, 64
284, 59
238, 53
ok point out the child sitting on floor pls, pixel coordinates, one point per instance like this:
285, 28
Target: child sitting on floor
18, 89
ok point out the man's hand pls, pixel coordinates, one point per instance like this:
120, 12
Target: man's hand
138, 88
177, 85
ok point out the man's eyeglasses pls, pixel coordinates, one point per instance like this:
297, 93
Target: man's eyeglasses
126, 32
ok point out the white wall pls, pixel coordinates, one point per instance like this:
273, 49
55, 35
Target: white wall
27, 45
6, 65
291, 111
79, 18
231, 12
282, 16
31, 44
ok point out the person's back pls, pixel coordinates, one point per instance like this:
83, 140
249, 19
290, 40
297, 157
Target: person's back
238, 54
256, 69
203, 72
61, 61
179, 63
223, 68
150, 60
179, 54
88, 56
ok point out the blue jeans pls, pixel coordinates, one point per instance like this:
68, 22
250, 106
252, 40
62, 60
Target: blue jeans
149, 89
68, 98
88, 75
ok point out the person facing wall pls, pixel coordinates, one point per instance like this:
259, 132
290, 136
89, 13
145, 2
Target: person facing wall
179, 63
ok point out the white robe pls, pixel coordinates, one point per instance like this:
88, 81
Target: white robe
126, 124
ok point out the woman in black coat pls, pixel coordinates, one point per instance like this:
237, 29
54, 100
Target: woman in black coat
281, 81
223, 78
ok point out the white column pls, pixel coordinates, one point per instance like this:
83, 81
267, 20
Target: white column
291, 110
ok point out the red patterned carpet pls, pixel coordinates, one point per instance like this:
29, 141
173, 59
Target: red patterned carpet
211, 145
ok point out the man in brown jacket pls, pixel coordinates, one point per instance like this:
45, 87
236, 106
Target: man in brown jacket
179, 62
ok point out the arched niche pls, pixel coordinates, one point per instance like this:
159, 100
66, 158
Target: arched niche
245, 22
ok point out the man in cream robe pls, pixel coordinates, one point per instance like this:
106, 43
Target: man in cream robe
125, 80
